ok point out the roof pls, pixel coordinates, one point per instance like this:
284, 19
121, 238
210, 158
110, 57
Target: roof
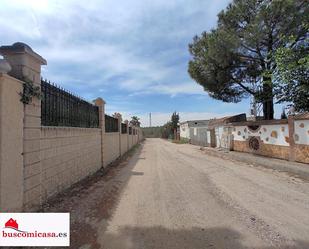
225, 120
301, 116
196, 122
260, 122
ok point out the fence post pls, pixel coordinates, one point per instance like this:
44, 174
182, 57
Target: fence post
26, 65
127, 124
101, 104
11, 142
130, 136
119, 117
291, 137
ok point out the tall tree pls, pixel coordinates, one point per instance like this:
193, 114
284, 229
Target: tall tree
167, 130
175, 120
135, 121
292, 75
174, 123
237, 59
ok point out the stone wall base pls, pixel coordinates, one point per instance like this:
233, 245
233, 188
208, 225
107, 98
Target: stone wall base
301, 153
269, 150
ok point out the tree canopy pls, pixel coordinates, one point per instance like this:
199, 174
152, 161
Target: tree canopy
171, 126
135, 121
175, 120
238, 58
293, 77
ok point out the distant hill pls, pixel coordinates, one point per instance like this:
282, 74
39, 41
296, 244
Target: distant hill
152, 132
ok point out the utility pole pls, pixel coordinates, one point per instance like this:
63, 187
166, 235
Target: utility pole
150, 119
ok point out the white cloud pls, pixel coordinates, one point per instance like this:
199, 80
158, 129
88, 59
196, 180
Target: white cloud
107, 39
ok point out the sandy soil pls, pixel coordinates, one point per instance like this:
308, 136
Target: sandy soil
174, 196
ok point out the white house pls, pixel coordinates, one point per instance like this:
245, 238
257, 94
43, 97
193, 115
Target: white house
195, 131
219, 131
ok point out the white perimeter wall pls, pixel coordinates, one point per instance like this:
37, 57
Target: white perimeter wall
265, 132
301, 128
111, 147
184, 131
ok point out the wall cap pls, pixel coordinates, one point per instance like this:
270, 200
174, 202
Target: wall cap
300, 116
69, 128
117, 115
99, 102
22, 48
259, 122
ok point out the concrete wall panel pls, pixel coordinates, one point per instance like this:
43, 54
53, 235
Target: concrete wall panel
68, 154
111, 147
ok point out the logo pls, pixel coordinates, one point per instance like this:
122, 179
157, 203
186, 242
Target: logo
12, 224
35, 229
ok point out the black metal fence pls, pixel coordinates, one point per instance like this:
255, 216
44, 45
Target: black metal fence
61, 108
111, 124
124, 128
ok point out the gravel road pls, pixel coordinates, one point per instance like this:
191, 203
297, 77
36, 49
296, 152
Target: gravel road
174, 196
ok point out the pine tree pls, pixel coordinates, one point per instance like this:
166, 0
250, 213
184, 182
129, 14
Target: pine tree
237, 59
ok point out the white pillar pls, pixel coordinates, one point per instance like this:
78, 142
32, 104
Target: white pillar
26, 66
101, 104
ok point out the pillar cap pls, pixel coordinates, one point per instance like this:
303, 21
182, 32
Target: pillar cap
117, 115
22, 48
99, 102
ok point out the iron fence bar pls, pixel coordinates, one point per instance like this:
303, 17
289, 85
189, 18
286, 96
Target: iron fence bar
124, 128
61, 108
111, 124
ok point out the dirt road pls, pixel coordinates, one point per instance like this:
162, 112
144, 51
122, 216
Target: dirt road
174, 196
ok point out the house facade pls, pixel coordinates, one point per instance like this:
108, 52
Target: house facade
195, 131
279, 138
284, 138
219, 131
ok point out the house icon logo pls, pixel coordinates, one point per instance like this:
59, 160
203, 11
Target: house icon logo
11, 224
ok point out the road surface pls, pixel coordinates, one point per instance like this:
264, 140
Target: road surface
174, 196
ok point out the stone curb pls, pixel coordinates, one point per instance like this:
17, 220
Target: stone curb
299, 170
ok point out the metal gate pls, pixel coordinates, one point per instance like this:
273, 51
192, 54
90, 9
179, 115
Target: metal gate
198, 136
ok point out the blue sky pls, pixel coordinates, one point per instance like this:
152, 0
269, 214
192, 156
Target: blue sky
132, 53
